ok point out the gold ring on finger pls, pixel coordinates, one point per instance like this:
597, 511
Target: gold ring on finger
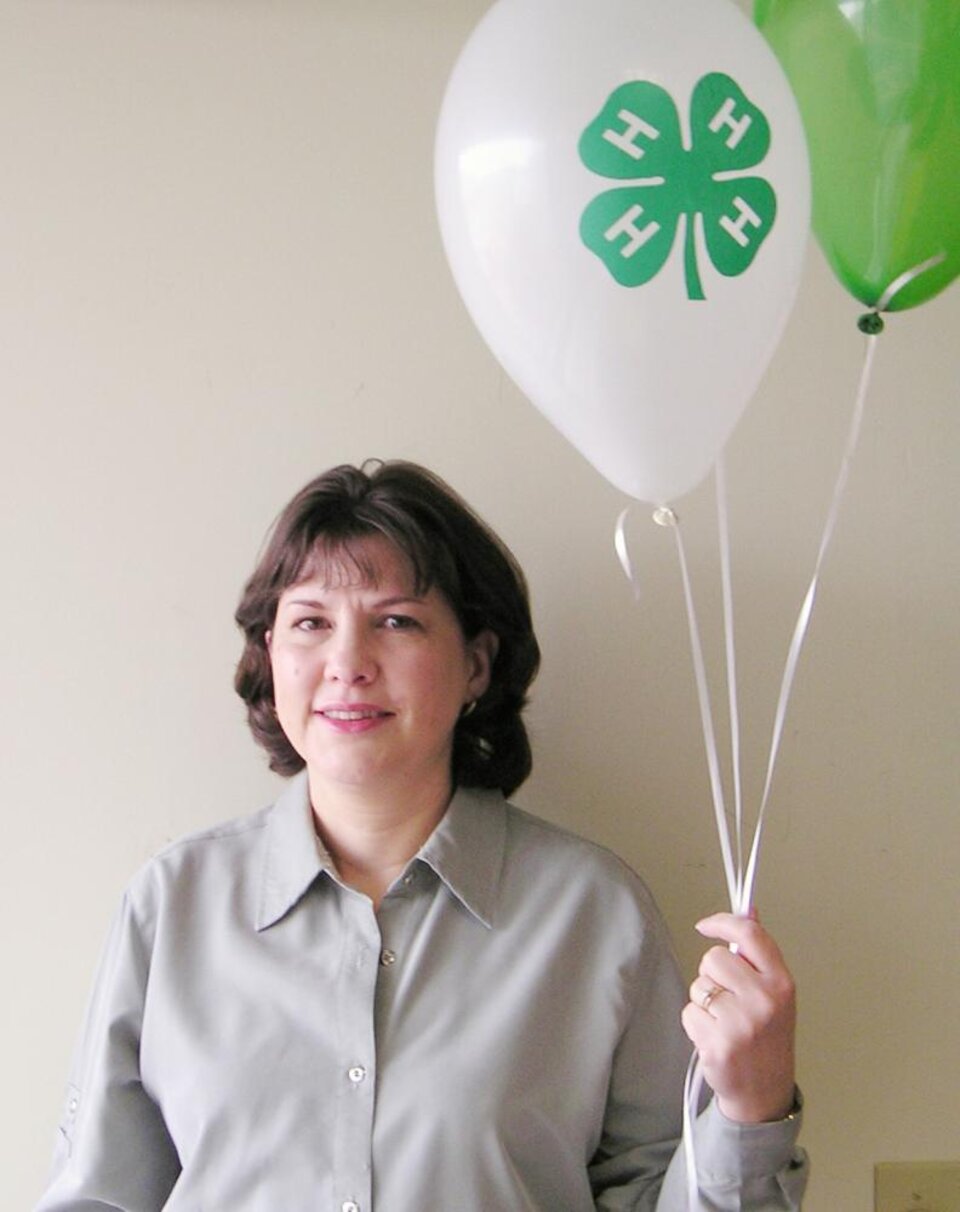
707, 998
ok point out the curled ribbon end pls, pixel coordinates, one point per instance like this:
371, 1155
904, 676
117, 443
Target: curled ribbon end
871, 323
664, 516
623, 554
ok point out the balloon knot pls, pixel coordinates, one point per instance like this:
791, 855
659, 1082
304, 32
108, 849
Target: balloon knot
664, 516
871, 323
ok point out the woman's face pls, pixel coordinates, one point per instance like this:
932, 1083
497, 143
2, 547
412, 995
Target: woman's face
369, 677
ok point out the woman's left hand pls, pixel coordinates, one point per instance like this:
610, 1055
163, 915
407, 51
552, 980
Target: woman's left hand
741, 1019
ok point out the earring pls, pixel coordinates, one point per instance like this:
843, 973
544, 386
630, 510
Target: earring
469, 709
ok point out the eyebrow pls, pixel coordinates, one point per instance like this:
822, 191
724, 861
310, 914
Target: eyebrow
380, 604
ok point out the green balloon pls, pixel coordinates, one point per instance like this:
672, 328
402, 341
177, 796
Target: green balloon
878, 85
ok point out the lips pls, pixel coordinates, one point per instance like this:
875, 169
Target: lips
352, 711
353, 717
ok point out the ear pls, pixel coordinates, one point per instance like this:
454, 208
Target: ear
481, 653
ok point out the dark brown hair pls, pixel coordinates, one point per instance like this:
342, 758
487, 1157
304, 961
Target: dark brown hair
449, 548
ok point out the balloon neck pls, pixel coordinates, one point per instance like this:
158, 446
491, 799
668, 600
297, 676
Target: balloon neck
871, 323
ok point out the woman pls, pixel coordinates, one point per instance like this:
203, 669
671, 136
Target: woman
393, 990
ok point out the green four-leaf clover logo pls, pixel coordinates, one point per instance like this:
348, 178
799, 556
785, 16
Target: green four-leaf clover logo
636, 137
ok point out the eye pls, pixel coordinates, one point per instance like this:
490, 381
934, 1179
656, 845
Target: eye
399, 622
310, 622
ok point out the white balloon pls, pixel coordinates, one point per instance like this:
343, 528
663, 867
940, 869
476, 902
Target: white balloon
645, 380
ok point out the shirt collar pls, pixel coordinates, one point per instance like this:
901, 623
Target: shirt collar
465, 850
292, 854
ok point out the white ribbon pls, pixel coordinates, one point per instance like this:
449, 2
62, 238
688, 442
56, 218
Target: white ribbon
733, 709
666, 517
692, 1089
623, 553
906, 278
803, 619
740, 882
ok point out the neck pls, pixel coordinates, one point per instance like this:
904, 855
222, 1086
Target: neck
371, 839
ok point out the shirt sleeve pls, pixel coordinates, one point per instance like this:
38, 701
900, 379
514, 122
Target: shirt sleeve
640, 1165
113, 1150
740, 1167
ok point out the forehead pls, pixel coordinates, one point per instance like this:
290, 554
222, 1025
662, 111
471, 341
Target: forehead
365, 562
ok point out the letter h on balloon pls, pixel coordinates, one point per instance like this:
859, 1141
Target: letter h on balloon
626, 140
737, 127
746, 216
626, 225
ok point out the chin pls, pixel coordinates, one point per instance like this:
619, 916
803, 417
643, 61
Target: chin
345, 774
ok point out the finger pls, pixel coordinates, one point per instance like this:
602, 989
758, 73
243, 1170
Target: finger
735, 973
721, 967
698, 1026
757, 997
746, 934
705, 994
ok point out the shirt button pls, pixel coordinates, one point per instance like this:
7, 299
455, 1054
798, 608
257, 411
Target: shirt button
408, 879
356, 1074
387, 958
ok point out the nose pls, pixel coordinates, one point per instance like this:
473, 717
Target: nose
349, 657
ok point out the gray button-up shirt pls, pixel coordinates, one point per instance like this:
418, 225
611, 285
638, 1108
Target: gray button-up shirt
503, 1035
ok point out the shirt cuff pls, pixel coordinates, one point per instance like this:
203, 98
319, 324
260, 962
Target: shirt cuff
729, 1152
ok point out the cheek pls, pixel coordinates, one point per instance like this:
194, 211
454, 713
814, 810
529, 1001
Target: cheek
448, 683
291, 698
289, 675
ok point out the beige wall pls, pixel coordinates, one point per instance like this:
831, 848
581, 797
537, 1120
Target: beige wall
221, 273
